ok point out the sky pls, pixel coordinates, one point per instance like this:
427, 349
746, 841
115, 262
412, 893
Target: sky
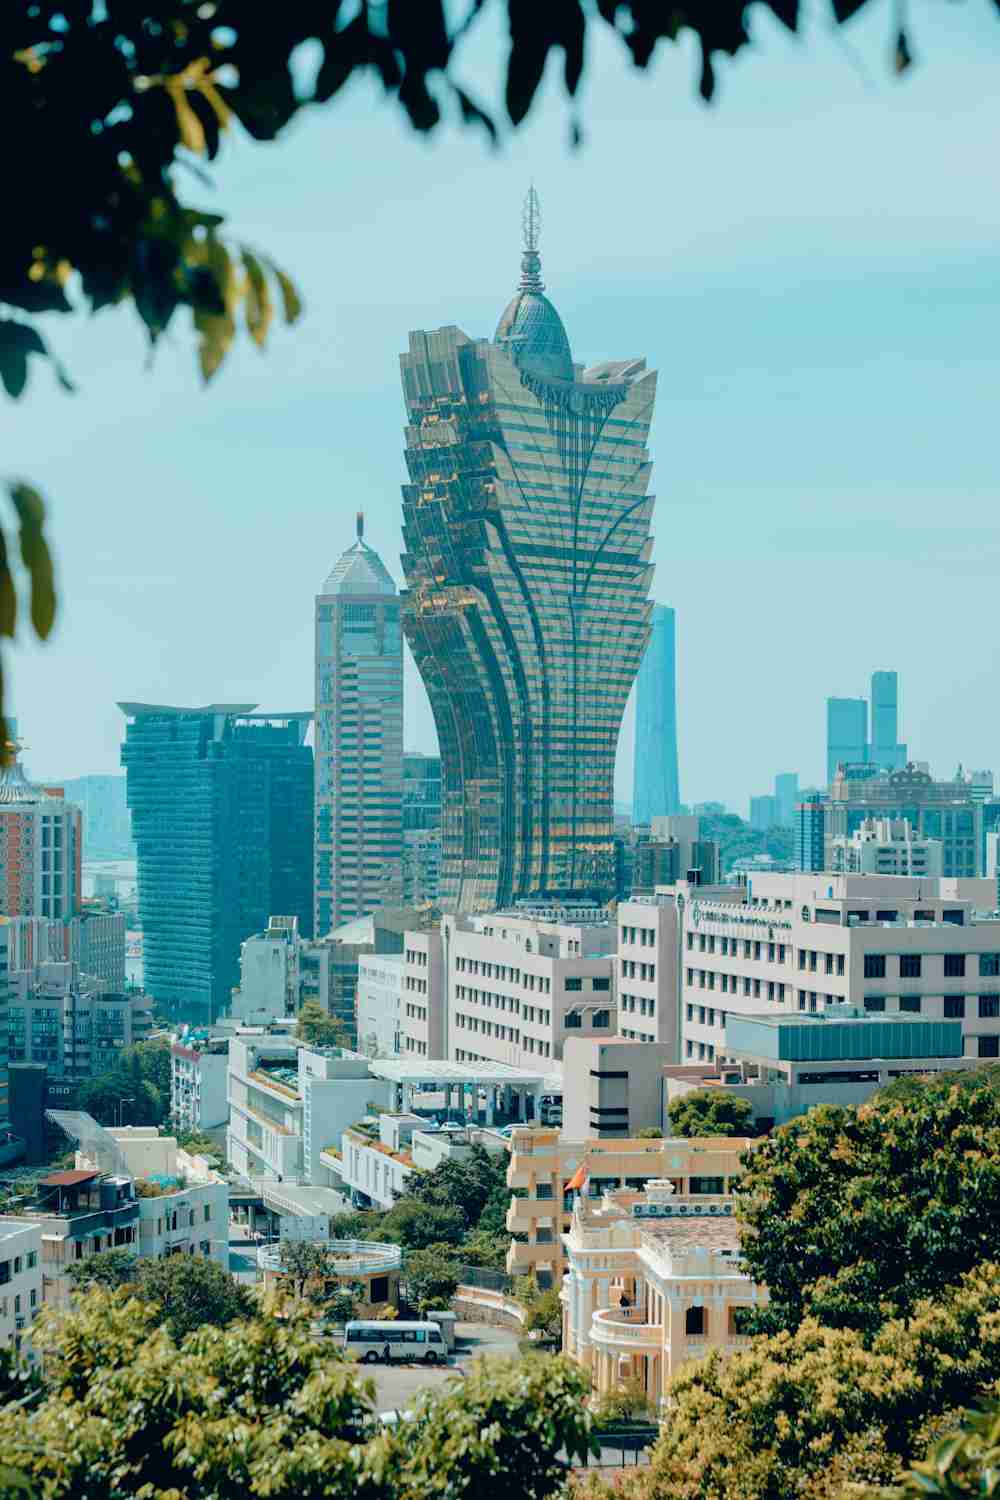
809, 263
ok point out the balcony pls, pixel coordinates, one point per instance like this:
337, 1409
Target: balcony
622, 1330
351, 1257
522, 1213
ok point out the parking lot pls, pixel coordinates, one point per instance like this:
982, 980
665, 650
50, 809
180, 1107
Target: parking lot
396, 1385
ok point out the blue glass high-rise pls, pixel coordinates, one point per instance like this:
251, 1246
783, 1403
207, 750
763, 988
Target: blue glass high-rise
656, 790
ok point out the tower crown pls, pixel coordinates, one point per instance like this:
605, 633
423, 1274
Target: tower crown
529, 327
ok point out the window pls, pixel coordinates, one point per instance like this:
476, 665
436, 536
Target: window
989, 965
601, 982
543, 1190
910, 1004
574, 985
208, 1212
989, 1046
694, 1322
572, 1020
909, 966
601, 1019
707, 1185
954, 966
875, 966
989, 1007
954, 1007
874, 1002
32, 1259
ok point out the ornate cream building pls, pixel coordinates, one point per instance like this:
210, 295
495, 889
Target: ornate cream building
651, 1283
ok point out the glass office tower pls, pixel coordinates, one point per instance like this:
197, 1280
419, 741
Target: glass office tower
359, 740
656, 792
221, 804
886, 751
527, 547
846, 733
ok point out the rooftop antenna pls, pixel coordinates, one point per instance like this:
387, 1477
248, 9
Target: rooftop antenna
361, 525
531, 229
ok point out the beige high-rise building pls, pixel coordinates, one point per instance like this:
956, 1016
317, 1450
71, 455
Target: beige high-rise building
359, 741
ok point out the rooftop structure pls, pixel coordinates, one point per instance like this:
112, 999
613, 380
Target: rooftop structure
527, 563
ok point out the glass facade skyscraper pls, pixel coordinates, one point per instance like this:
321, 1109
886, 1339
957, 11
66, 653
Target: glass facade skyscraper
527, 546
846, 733
886, 751
359, 740
221, 804
656, 793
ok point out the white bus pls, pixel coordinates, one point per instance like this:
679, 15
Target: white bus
372, 1340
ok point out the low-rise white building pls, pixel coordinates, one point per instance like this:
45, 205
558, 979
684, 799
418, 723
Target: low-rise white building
376, 1162
183, 1202
287, 1102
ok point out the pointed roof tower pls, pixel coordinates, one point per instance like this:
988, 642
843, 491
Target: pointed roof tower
360, 570
529, 327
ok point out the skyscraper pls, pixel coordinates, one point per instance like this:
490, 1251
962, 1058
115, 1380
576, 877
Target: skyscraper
656, 792
359, 740
846, 733
786, 793
40, 849
886, 752
527, 546
221, 804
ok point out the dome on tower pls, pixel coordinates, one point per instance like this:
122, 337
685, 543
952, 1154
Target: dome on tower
360, 570
529, 327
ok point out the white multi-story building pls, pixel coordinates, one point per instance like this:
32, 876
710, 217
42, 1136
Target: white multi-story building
377, 1163
380, 1003
422, 1017
887, 846
190, 1213
20, 1279
199, 1076
649, 970
269, 974
288, 1102
517, 985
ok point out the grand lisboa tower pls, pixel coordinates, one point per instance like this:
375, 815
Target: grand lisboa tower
527, 545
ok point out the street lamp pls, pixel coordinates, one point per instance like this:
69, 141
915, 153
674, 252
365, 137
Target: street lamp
119, 1107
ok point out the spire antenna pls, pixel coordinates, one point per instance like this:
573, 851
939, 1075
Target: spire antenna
531, 229
361, 525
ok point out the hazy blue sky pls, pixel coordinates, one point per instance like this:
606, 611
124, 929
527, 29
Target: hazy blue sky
812, 267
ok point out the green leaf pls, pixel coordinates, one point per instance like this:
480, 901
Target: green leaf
8, 594
258, 300
290, 300
35, 553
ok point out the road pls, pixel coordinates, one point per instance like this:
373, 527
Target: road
396, 1385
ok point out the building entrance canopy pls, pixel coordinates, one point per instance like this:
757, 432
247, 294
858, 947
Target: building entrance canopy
443, 1074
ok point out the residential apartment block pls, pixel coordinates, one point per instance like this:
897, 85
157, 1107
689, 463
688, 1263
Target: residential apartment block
422, 1003
40, 849
199, 1075
67, 1020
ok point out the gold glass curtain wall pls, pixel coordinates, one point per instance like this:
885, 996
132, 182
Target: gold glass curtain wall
527, 544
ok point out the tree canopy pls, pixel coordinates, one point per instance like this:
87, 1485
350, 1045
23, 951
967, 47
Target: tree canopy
711, 1112
817, 1410
265, 1408
852, 1216
183, 1291
317, 1028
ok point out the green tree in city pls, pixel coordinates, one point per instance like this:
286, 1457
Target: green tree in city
711, 1112
109, 1268
306, 1266
266, 1408
317, 1028
851, 1216
415, 1224
545, 1314
431, 1276
116, 1098
815, 1411
964, 1462
190, 1291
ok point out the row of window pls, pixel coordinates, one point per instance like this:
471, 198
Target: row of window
639, 1002
955, 965
645, 937
735, 984
731, 947
633, 970
9, 1268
